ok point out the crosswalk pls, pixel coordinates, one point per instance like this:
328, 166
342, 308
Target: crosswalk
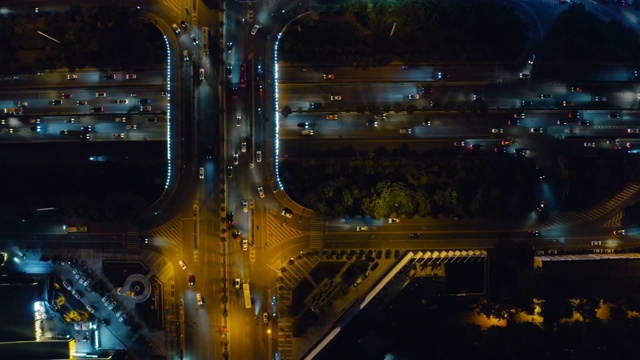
285, 324
573, 217
278, 231
316, 236
171, 231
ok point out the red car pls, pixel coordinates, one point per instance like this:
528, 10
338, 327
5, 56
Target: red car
192, 279
67, 95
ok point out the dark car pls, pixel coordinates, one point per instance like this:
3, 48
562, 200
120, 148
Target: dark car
561, 122
513, 122
192, 279
98, 109
184, 24
315, 105
229, 171
56, 102
303, 125
426, 90
229, 46
526, 103
145, 101
234, 93
229, 71
372, 123
499, 149
534, 233
573, 115
87, 129
230, 218
195, 41
545, 96
521, 151
614, 115
110, 76
584, 123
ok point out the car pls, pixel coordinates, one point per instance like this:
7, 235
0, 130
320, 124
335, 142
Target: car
76, 294
122, 101
304, 125
287, 213
56, 102
176, 29
426, 122
513, 122
90, 308
145, 101
185, 55
573, 115
372, 122
332, 116
72, 77
477, 97
596, 242
153, 119
236, 283
64, 95
328, 76
34, 121
619, 232
534, 233
537, 130
110, 76
183, 24
131, 127
8, 130
235, 158
70, 121
201, 173
245, 244
101, 94
519, 115
194, 40
362, 228
633, 131
545, 96
532, 59
81, 102
229, 171
524, 76
459, 143
229, 71
98, 109
336, 97
315, 105
542, 203
145, 108
229, 46
527, 103
568, 103
182, 264
393, 220
243, 146
130, 76
121, 119
414, 96
234, 93
255, 29
441, 75
589, 144
245, 206
191, 280
632, 145
258, 156
261, 192
497, 131
199, 299
67, 285
584, 123
561, 122
598, 98
412, 236
575, 89
307, 132
37, 128
201, 74
122, 318
614, 115
118, 136
521, 151
406, 131
265, 318
499, 149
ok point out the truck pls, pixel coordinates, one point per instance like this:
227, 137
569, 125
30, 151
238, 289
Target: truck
13, 111
247, 295
76, 229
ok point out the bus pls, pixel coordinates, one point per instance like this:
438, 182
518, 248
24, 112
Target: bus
247, 295
205, 40
76, 229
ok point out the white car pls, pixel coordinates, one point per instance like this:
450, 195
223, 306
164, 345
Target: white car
255, 29
336, 97
201, 74
121, 119
245, 244
130, 76
201, 173
245, 206
182, 264
118, 136
235, 159
131, 127
589, 144
176, 29
596, 242
393, 220
258, 156
72, 77
361, 228
518, 115
307, 132
497, 131
265, 318
261, 192
287, 213
244, 146
101, 94
414, 96
459, 143
236, 283
122, 101
185, 55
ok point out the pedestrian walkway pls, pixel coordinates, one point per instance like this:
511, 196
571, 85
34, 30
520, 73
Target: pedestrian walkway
573, 217
278, 231
171, 231
317, 231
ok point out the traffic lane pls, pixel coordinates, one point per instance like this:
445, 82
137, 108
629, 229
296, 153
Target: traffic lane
153, 75
475, 72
